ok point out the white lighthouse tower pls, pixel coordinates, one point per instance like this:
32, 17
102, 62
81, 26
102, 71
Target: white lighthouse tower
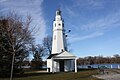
60, 60
59, 40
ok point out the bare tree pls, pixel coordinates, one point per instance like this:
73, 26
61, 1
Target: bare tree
47, 43
38, 53
116, 55
17, 35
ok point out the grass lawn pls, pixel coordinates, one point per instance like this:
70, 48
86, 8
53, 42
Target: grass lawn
80, 75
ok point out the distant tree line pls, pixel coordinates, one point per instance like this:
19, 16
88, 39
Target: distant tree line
89, 60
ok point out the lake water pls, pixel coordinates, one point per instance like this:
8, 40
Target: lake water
86, 66
99, 65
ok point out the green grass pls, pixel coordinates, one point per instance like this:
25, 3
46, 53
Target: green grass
80, 75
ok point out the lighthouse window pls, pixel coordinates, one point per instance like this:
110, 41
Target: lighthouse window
54, 37
55, 25
59, 24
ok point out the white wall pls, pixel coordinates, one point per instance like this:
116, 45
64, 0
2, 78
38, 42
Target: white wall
58, 43
56, 66
49, 65
68, 65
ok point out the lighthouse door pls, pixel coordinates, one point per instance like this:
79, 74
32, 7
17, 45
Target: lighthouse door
61, 66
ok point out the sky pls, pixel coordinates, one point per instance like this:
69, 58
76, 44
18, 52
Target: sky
94, 24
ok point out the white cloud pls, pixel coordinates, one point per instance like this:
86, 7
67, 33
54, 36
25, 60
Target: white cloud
105, 23
98, 27
2, 1
70, 12
89, 4
24, 8
89, 36
95, 4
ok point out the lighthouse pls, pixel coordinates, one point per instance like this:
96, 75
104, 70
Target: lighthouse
60, 59
59, 39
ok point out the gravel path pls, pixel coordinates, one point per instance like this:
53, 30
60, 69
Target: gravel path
112, 75
109, 76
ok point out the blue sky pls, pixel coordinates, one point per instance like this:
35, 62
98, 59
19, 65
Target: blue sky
94, 24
